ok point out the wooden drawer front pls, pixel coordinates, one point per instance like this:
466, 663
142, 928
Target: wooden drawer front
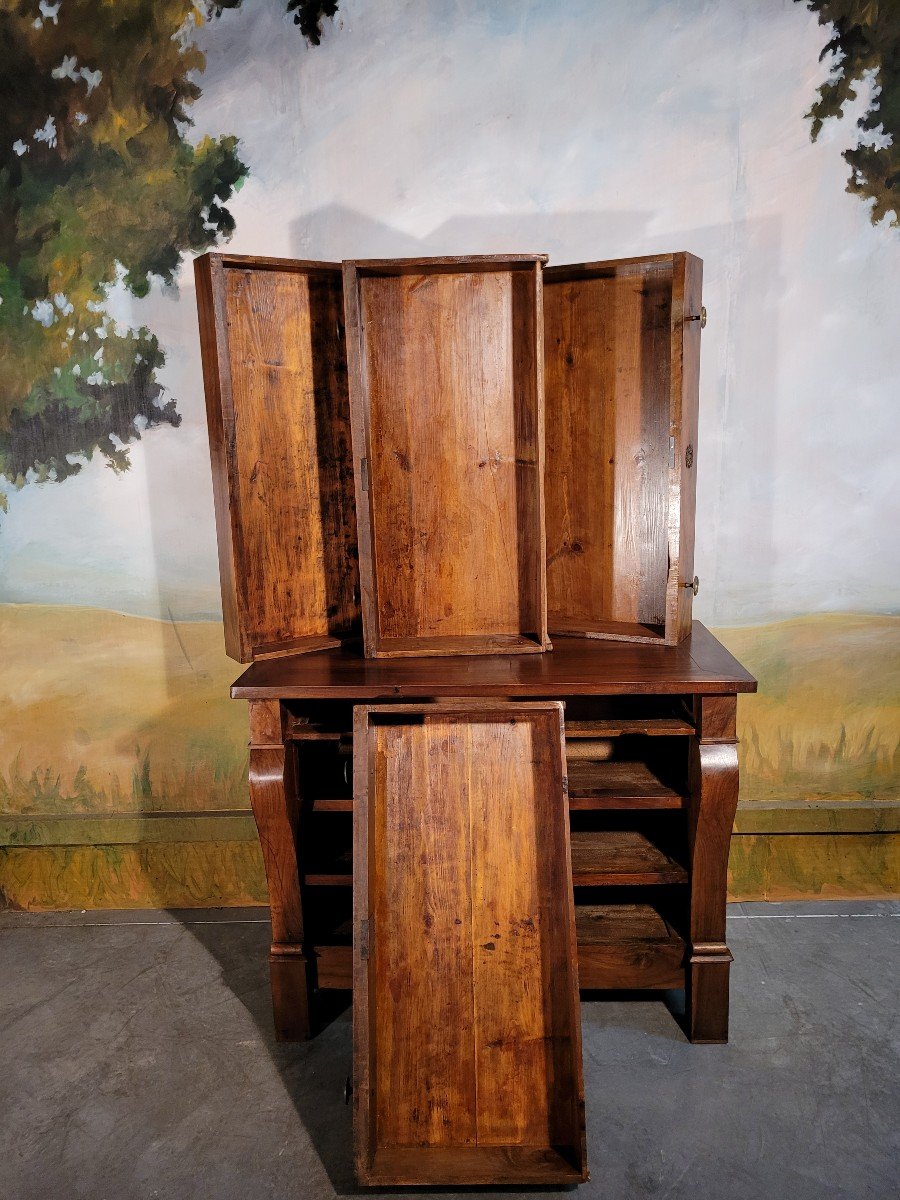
467, 1053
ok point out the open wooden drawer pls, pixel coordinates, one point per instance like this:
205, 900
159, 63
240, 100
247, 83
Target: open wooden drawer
622, 358
446, 396
467, 1042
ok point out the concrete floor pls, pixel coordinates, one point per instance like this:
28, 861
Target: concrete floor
137, 1060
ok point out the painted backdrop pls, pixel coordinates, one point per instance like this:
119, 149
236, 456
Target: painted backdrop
763, 137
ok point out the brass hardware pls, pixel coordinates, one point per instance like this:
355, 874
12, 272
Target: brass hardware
701, 317
689, 456
693, 584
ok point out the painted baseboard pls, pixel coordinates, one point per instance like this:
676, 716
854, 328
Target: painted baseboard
212, 859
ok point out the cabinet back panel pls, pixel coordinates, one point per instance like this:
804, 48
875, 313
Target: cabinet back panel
608, 372
291, 461
471, 1007
450, 364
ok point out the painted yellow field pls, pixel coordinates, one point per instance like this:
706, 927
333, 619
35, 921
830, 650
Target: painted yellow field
109, 713
825, 724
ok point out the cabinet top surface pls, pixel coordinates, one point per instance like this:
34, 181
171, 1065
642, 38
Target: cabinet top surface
574, 667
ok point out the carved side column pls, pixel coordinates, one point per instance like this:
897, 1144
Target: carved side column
275, 803
714, 796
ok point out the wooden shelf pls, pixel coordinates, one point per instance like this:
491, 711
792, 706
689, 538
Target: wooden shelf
627, 946
612, 784
648, 727
336, 873
338, 804
619, 946
602, 858
592, 785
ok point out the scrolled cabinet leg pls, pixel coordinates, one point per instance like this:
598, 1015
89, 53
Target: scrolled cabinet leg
275, 803
714, 795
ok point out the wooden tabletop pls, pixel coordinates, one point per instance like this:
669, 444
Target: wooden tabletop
575, 667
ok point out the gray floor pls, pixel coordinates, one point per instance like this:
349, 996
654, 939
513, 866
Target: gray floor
137, 1060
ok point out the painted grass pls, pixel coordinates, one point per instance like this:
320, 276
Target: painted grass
825, 724
108, 713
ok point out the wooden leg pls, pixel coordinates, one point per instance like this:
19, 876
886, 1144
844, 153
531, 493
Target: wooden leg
714, 794
707, 994
273, 796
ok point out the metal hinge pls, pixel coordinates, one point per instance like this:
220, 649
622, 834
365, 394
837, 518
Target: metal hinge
700, 316
364, 473
364, 941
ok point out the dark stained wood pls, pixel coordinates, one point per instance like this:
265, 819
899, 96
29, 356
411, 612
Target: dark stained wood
278, 412
467, 1053
707, 995
713, 803
621, 857
334, 967
274, 799
627, 946
446, 395
617, 784
686, 307
622, 379
699, 664
648, 727
716, 718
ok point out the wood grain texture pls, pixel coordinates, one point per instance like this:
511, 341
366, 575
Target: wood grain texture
279, 424
618, 784
621, 361
700, 664
466, 1028
446, 392
713, 802
620, 946
621, 857
627, 946
275, 803
686, 303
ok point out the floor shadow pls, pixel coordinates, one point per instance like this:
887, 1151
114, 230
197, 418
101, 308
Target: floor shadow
314, 1073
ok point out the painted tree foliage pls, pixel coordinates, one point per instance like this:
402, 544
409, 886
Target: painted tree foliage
865, 42
99, 181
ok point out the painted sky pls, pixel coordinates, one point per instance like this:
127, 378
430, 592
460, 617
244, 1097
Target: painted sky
590, 129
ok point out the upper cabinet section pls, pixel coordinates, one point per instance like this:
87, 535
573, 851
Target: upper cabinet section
275, 375
622, 353
446, 392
